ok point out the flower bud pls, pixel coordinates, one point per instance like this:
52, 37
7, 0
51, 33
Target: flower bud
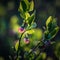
21, 30
26, 41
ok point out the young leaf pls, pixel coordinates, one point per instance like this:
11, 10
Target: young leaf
49, 36
20, 9
46, 35
27, 15
22, 6
31, 18
49, 20
54, 22
54, 32
23, 15
51, 23
37, 35
30, 31
31, 6
27, 4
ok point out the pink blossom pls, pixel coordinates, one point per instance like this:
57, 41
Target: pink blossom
26, 41
21, 30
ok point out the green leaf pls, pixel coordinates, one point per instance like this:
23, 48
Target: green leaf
31, 6
37, 35
16, 45
54, 32
22, 6
27, 4
51, 23
33, 25
49, 20
20, 9
31, 18
54, 23
29, 31
27, 15
23, 15
46, 35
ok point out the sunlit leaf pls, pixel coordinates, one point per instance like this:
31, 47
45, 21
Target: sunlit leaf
31, 6
22, 6
30, 31
37, 35
27, 15
20, 9
31, 18
51, 23
27, 4
16, 45
49, 20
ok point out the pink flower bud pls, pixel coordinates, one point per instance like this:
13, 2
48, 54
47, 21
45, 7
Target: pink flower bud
21, 30
26, 41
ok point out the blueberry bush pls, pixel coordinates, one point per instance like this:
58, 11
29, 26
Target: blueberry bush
32, 41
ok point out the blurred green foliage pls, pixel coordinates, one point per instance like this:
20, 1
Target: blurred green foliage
57, 49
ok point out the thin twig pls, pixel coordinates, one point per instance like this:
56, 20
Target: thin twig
34, 48
18, 47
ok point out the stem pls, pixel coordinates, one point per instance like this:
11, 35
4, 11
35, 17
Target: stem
38, 54
19, 46
34, 48
22, 51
